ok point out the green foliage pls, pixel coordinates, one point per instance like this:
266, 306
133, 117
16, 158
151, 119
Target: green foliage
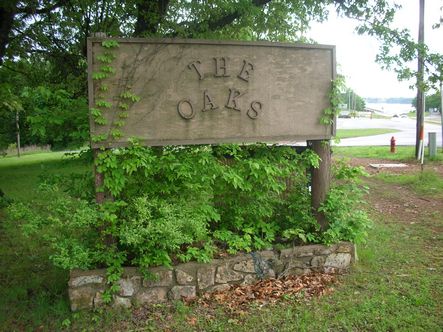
68, 225
427, 183
432, 102
99, 138
55, 117
126, 98
10, 107
107, 69
354, 101
103, 103
130, 96
34, 292
155, 229
343, 207
109, 43
335, 99
184, 203
348, 133
99, 76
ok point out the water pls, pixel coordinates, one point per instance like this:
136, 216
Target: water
391, 109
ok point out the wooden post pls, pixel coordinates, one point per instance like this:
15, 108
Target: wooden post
320, 179
99, 181
101, 196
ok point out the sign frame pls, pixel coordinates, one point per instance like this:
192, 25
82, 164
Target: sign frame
281, 139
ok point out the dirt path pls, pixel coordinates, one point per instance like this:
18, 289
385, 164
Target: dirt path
412, 167
399, 203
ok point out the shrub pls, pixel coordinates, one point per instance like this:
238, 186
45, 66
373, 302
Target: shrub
348, 221
182, 203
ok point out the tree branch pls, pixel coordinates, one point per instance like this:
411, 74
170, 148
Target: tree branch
149, 15
38, 11
219, 22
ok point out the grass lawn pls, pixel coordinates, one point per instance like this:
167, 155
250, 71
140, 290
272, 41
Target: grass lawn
397, 284
19, 176
348, 133
403, 153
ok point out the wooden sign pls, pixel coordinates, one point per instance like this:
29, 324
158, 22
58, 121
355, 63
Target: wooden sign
166, 92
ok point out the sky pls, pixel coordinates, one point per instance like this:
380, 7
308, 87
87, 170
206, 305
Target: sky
356, 54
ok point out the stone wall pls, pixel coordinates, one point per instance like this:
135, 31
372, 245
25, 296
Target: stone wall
191, 279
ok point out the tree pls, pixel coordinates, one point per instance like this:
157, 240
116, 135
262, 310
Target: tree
432, 102
353, 100
10, 107
43, 42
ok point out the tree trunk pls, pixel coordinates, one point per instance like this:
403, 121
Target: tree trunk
149, 15
7, 13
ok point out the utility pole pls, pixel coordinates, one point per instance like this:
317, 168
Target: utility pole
441, 110
349, 100
420, 83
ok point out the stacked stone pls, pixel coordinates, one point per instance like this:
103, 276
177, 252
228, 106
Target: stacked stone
191, 279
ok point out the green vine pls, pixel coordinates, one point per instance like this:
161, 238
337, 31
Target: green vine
125, 100
330, 113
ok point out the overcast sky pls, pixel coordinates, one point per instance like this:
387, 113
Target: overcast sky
356, 54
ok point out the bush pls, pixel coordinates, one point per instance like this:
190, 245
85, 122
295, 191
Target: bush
181, 203
348, 221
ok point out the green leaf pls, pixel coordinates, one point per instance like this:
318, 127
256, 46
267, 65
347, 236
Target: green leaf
107, 69
123, 106
116, 133
99, 76
95, 112
103, 103
110, 43
99, 138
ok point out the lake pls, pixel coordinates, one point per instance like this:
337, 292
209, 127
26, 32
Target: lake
391, 109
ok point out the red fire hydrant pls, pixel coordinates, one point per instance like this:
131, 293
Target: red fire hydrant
392, 144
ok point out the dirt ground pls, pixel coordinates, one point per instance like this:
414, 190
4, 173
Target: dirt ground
398, 202
412, 167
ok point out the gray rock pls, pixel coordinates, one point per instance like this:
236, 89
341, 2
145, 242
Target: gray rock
304, 251
225, 274
318, 261
85, 280
296, 271
205, 277
250, 279
179, 292
122, 302
300, 262
82, 297
98, 300
277, 265
268, 254
129, 286
270, 273
245, 266
219, 288
183, 278
152, 295
326, 250
345, 248
162, 278
338, 261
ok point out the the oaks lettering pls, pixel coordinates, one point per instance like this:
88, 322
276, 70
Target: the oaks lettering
185, 107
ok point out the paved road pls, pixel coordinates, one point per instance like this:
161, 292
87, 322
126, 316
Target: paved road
406, 136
